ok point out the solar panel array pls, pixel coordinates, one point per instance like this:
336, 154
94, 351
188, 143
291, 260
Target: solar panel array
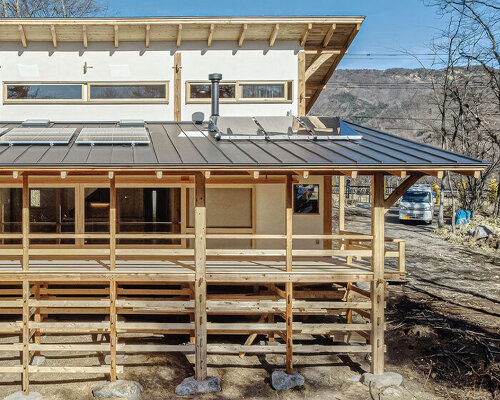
115, 135
33, 135
284, 128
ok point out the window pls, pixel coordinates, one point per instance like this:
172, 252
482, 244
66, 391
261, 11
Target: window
11, 200
149, 210
42, 92
128, 92
96, 213
241, 92
306, 199
262, 91
204, 91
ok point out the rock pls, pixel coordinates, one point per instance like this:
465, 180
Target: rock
482, 232
107, 358
191, 386
379, 381
38, 360
22, 396
121, 389
422, 331
280, 380
390, 391
354, 378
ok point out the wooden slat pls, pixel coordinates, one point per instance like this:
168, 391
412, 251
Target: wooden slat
274, 35
329, 35
303, 39
243, 31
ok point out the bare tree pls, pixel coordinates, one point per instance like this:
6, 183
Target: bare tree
53, 8
468, 96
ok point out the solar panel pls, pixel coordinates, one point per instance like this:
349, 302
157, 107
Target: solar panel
38, 136
237, 126
114, 135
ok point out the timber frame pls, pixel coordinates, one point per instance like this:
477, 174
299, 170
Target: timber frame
274, 284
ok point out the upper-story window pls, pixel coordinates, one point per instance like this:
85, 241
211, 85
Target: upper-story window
128, 92
241, 92
42, 92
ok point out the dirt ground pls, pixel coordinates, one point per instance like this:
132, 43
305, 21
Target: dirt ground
443, 336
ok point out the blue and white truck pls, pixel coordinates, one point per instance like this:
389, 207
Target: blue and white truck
417, 204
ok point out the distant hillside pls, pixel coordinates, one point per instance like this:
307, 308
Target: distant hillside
396, 100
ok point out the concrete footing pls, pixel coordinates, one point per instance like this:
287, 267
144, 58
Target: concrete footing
280, 380
380, 381
22, 396
120, 389
191, 386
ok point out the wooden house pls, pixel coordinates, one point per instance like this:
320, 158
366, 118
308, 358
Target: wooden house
134, 201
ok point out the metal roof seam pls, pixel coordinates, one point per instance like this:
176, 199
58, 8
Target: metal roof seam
357, 151
211, 141
401, 151
265, 151
171, 142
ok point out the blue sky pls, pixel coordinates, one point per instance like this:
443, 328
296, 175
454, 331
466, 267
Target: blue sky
390, 28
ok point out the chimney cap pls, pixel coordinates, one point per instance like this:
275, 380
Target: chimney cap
215, 77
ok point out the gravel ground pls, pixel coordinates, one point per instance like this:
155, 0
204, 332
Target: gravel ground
442, 336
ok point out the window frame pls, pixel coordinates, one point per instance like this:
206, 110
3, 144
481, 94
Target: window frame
163, 100
287, 99
6, 100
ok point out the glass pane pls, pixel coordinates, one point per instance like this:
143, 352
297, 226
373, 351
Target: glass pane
149, 210
151, 91
204, 91
11, 200
52, 211
263, 91
44, 92
306, 199
96, 213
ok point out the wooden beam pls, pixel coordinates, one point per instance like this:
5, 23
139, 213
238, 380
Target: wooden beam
274, 35
289, 285
210, 35
177, 86
179, 35
116, 36
23, 36
351, 174
473, 174
329, 35
327, 211
200, 245
437, 174
303, 39
243, 31
301, 92
400, 190
317, 63
85, 38
148, 34
401, 174
378, 284
54, 35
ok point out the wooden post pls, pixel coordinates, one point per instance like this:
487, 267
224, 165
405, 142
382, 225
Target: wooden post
79, 214
200, 244
177, 86
112, 284
26, 336
301, 92
26, 222
378, 284
288, 285
341, 203
327, 211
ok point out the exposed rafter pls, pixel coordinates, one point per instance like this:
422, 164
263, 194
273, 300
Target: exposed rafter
243, 31
317, 63
23, 36
274, 35
179, 35
116, 36
308, 29
85, 38
210, 35
329, 35
148, 33
54, 35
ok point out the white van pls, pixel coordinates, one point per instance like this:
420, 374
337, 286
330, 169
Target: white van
417, 204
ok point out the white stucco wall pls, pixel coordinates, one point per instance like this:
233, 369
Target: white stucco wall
131, 62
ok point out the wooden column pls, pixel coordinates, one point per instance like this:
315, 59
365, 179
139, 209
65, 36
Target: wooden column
177, 86
200, 245
341, 203
26, 336
80, 214
288, 285
378, 284
301, 92
112, 283
26, 222
327, 211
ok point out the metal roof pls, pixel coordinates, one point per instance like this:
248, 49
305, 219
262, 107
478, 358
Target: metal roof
170, 147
